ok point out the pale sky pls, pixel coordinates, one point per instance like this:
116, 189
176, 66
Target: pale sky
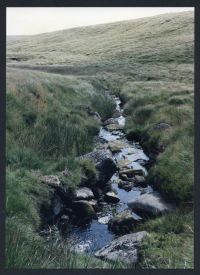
28, 21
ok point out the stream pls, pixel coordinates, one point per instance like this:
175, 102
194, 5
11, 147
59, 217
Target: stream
94, 235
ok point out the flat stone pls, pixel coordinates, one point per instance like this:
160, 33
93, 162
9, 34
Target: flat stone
123, 163
132, 172
84, 193
111, 121
117, 145
123, 249
114, 127
150, 204
51, 180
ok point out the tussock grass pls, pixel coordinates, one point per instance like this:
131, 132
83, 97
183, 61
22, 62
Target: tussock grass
48, 253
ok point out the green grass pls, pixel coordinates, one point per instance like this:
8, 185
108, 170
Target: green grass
169, 244
149, 63
167, 251
26, 249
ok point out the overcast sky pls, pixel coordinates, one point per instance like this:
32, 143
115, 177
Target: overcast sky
23, 21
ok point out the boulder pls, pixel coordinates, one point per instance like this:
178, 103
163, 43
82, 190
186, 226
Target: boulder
126, 185
149, 204
84, 193
123, 164
93, 203
131, 172
123, 249
123, 176
104, 163
140, 180
51, 180
111, 197
110, 121
117, 145
114, 127
123, 223
84, 210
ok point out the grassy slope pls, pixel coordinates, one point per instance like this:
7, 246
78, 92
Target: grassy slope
149, 63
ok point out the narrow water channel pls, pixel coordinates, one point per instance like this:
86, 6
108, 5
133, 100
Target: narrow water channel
95, 235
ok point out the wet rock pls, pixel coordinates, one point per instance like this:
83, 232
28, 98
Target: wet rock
84, 210
132, 172
104, 163
84, 193
149, 204
104, 220
101, 146
126, 185
114, 127
140, 180
124, 249
51, 180
110, 121
111, 197
122, 164
123, 176
116, 114
123, 223
93, 203
161, 126
117, 145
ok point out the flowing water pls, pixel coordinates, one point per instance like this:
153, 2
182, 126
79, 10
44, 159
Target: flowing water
95, 235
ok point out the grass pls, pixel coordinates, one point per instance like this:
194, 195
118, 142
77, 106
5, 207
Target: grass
169, 244
52, 80
47, 127
153, 106
167, 251
48, 253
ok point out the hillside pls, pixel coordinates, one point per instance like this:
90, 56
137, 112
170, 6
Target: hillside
52, 80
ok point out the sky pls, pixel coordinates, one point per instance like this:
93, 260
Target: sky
29, 21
